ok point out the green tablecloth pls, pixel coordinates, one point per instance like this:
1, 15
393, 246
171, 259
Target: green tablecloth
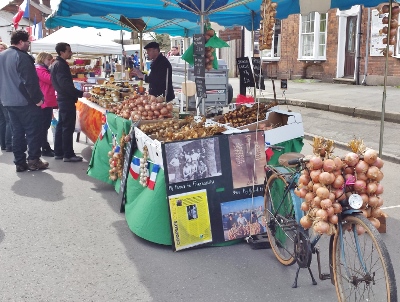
146, 211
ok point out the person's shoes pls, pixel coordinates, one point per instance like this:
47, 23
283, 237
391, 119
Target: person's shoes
21, 167
58, 156
48, 153
3, 148
37, 164
73, 159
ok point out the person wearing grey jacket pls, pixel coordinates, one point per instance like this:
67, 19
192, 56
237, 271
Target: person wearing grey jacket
20, 93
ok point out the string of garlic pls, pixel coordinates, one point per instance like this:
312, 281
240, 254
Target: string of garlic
143, 171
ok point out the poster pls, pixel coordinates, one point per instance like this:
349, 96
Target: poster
376, 36
190, 219
225, 172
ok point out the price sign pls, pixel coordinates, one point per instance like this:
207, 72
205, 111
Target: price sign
283, 83
198, 44
201, 87
258, 76
245, 71
199, 66
129, 148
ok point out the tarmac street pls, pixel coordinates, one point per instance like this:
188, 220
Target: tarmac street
62, 237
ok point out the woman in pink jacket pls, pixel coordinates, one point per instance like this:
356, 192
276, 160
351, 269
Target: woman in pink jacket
43, 61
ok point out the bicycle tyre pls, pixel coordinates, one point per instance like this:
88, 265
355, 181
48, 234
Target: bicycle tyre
377, 262
282, 246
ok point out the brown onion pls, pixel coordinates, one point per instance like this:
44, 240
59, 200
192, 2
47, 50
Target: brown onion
326, 203
380, 176
372, 172
379, 189
321, 227
372, 187
304, 180
362, 167
330, 211
378, 163
333, 219
322, 192
328, 165
361, 176
309, 196
163, 111
351, 159
316, 186
360, 186
170, 106
375, 222
365, 199
322, 214
316, 202
373, 201
380, 201
304, 206
376, 212
348, 170
370, 156
338, 163
314, 174
360, 230
325, 178
337, 207
305, 222
315, 163
339, 182
339, 195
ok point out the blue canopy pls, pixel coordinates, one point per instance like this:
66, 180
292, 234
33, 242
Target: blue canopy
235, 12
173, 27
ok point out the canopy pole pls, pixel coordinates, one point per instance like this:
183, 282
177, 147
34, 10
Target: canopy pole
252, 51
384, 83
141, 55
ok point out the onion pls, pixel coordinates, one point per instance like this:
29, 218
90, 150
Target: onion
314, 174
310, 186
379, 189
333, 219
322, 192
372, 187
365, 199
337, 207
316, 186
322, 214
140, 108
144, 113
380, 201
380, 176
370, 156
328, 165
325, 178
339, 195
147, 107
338, 163
372, 172
321, 227
305, 222
309, 197
315, 163
365, 213
373, 201
378, 163
156, 113
163, 111
339, 182
304, 206
150, 113
332, 196
362, 167
348, 170
351, 159
153, 106
326, 203
159, 106
330, 211
360, 186
304, 180
361, 176
360, 230
170, 106
376, 212
316, 202
375, 222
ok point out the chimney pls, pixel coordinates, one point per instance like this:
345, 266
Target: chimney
46, 3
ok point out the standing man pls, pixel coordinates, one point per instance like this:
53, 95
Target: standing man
161, 73
67, 96
20, 93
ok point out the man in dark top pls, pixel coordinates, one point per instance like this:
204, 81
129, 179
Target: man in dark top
161, 71
20, 93
67, 96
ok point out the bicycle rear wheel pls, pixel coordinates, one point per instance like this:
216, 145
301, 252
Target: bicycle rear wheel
369, 276
280, 238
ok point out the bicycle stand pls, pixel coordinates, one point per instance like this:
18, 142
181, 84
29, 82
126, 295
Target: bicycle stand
297, 275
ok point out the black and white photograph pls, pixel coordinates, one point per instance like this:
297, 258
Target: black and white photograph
193, 160
192, 212
247, 159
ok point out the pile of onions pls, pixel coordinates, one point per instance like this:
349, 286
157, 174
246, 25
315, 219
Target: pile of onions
322, 188
145, 107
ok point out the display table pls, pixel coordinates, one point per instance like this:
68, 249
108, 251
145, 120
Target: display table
146, 211
90, 115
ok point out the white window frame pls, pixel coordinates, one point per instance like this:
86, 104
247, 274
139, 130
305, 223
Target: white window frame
315, 35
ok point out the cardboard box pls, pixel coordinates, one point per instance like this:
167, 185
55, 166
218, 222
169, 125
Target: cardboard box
286, 126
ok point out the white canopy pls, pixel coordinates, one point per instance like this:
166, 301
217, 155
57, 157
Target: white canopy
82, 41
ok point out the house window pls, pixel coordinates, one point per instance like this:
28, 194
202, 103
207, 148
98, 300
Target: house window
313, 37
275, 52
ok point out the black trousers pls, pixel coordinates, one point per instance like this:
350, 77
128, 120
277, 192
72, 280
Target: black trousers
64, 142
5, 128
26, 123
46, 123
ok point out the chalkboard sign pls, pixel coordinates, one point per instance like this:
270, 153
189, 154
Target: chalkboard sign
198, 44
283, 83
246, 74
201, 87
199, 66
129, 148
258, 76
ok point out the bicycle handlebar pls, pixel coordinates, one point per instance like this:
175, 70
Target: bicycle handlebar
298, 161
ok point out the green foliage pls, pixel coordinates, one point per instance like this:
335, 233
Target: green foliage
164, 41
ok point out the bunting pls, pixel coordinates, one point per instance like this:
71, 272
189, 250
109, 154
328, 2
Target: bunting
151, 182
103, 131
135, 167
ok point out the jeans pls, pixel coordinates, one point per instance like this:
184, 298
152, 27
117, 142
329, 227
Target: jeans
64, 142
46, 122
5, 129
26, 123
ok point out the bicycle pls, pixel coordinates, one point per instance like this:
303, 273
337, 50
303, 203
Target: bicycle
360, 265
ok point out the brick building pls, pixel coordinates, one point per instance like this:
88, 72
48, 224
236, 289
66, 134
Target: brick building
343, 46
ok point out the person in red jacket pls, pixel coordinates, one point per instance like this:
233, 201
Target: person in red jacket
43, 61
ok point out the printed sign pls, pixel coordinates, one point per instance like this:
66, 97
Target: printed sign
201, 87
198, 44
245, 71
258, 76
199, 66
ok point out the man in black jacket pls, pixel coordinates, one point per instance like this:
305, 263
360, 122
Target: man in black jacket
67, 96
161, 73
20, 93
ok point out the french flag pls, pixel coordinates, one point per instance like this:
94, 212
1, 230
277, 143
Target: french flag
23, 11
134, 168
103, 131
151, 182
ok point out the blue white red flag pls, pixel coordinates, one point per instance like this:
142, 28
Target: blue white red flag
151, 182
103, 131
135, 167
23, 11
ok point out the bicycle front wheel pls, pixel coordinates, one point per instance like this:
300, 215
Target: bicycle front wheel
361, 263
279, 235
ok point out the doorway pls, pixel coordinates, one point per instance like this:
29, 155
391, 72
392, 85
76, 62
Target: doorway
350, 49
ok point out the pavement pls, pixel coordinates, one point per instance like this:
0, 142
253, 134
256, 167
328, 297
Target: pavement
337, 102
